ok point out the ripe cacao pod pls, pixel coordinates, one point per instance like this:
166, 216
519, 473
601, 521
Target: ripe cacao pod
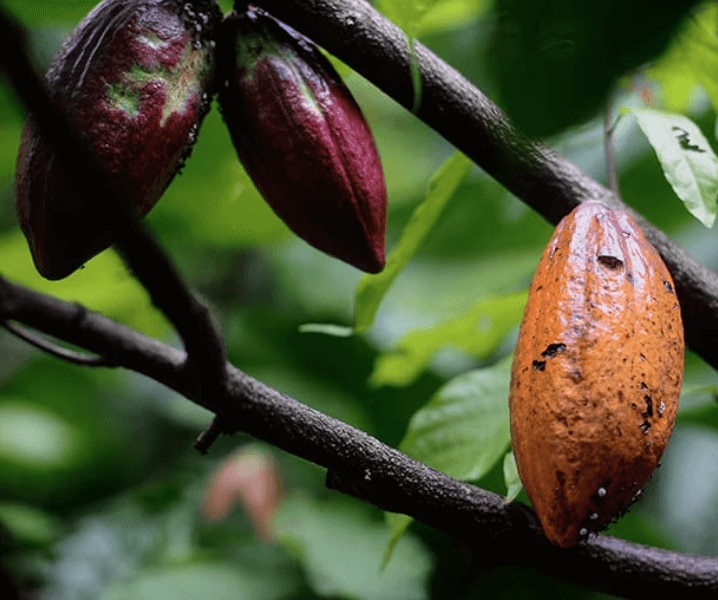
134, 80
597, 372
302, 138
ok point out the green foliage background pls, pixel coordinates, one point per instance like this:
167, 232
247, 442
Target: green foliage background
99, 484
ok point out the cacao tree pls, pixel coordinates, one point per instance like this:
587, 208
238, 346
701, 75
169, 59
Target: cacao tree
355, 427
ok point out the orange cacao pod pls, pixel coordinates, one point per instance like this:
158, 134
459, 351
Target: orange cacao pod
597, 372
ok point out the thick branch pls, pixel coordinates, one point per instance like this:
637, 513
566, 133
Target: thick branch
361, 465
357, 34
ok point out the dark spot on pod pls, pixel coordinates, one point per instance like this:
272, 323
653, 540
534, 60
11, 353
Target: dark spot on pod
539, 365
643, 385
629, 277
649, 406
645, 427
610, 262
642, 357
667, 285
553, 349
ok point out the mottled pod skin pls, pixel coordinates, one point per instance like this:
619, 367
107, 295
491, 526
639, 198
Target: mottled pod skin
596, 374
134, 79
302, 138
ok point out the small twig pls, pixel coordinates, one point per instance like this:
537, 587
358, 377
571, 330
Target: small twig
608, 142
209, 436
75, 358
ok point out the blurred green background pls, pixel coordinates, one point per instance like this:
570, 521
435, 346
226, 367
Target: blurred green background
101, 492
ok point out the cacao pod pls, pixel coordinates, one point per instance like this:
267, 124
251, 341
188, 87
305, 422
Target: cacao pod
302, 138
134, 80
596, 374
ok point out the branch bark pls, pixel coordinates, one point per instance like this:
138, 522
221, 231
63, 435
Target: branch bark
360, 465
357, 463
366, 41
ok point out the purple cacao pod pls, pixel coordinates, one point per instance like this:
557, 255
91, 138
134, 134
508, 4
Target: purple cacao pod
302, 138
134, 79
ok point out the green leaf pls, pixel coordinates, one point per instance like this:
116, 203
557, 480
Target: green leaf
327, 329
199, 581
511, 477
372, 288
28, 525
555, 62
464, 429
103, 284
398, 524
478, 333
407, 14
340, 546
687, 159
691, 59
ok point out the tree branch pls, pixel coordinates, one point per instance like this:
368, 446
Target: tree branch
358, 463
362, 466
357, 34
144, 257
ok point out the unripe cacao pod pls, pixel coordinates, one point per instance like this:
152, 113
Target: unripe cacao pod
134, 80
597, 372
303, 139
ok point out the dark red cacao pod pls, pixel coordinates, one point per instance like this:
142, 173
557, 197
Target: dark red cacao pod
303, 139
134, 78
597, 372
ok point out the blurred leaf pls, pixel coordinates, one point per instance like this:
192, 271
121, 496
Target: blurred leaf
452, 14
42, 12
327, 329
464, 429
340, 547
200, 581
687, 159
511, 477
103, 285
556, 60
398, 524
478, 333
408, 14
213, 201
28, 525
687, 489
372, 288
691, 59
35, 437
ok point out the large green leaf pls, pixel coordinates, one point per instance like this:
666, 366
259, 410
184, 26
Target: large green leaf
372, 288
477, 333
340, 547
464, 429
687, 159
